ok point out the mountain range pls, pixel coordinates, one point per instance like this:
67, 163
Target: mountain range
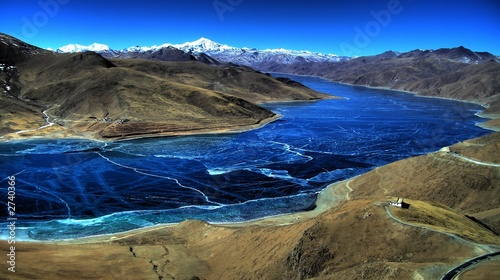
87, 95
262, 59
250, 57
30, 75
456, 73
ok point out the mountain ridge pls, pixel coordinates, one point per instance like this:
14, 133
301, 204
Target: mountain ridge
232, 54
224, 53
455, 73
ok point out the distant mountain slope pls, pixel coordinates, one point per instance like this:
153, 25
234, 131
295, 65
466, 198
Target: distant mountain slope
165, 54
231, 79
13, 50
27, 114
85, 94
456, 73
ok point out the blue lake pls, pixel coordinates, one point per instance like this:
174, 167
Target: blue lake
73, 188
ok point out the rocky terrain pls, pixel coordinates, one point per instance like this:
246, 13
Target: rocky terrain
453, 215
86, 95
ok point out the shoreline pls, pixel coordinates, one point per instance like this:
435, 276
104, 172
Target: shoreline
480, 114
239, 128
487, 116
87, 136
485, 106
328, 198
195, 249
208, 131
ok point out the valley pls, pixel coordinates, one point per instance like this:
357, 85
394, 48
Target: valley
84, 186
88, 96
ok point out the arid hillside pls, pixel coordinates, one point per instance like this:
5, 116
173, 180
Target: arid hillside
352, 233
464, 176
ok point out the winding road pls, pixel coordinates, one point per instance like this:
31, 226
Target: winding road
47, 119
474, 161
454, 272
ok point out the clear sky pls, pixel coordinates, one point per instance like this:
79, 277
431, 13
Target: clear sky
339, 27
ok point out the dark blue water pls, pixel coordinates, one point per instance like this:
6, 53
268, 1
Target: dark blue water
74, 188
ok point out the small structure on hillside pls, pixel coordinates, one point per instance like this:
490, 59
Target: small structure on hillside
400, 203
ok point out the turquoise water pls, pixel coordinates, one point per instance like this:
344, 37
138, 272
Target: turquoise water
74, 188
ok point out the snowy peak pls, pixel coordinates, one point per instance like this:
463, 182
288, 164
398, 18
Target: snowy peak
251, 57
137, 49
71, 48
203, 45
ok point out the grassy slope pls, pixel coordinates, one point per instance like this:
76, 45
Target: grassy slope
444, 219
442, 177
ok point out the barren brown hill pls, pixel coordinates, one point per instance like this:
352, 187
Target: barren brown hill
464, 177
165, 54
352, 234
87, 95
240, 81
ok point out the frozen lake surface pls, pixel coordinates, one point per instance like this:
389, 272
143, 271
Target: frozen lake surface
74, 188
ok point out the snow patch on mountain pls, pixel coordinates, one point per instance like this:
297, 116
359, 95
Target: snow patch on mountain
95, 47
203, 45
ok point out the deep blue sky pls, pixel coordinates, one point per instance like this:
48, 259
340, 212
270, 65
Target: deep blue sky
338, 27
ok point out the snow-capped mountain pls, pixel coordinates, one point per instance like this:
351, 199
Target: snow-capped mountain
259, 59
71, 48
203, 45
253, 57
